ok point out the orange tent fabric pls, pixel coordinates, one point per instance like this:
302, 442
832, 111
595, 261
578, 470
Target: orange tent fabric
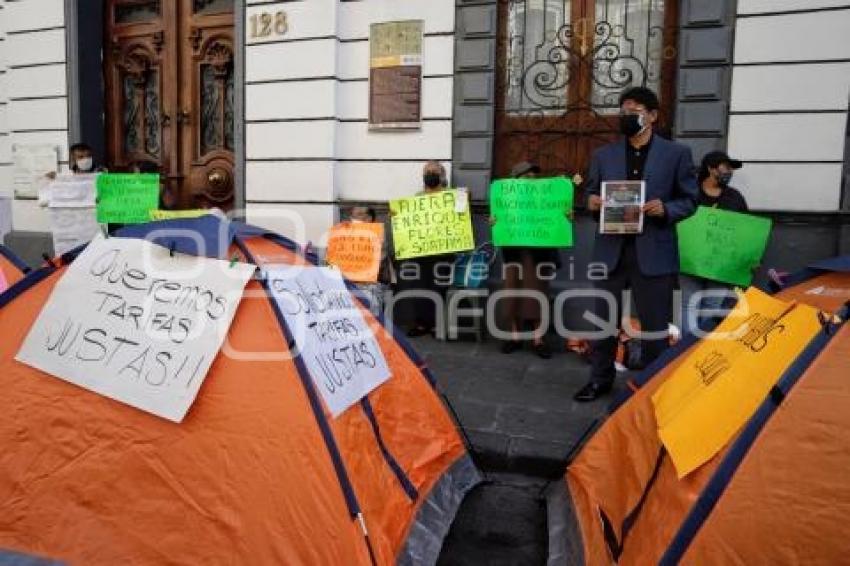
247, 477
10, 268
788, 496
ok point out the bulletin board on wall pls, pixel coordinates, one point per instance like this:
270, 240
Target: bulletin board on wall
395, 75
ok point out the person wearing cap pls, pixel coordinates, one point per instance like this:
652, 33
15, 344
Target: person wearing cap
523, 267
714, 176
646, 263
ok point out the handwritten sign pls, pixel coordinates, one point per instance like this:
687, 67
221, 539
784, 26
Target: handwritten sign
430, 225
721, 383
126, 198
532, 212
71, 191
177, 214
337, 346
355, 248
71, 211
722, 246
132, 323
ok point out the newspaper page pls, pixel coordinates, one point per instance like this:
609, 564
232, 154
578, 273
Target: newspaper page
622, 207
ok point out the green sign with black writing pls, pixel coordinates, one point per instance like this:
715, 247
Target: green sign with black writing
532, 212
126, 198
431, 224
722, 246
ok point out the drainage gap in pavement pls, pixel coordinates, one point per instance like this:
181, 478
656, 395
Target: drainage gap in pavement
502, 522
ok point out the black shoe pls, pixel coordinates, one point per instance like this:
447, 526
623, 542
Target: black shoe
542, 350
511, 346
417, 331
591, 392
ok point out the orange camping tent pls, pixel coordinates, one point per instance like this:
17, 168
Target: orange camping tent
257, 473
776, 493
12, 269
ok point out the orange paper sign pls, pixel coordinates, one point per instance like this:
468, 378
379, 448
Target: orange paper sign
355, 248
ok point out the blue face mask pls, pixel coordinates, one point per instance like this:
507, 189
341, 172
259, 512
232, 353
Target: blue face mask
723, 179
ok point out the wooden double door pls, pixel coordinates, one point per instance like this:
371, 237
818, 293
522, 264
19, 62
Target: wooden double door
169, 79
561, 67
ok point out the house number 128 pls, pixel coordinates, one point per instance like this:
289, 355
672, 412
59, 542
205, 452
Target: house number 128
265, 24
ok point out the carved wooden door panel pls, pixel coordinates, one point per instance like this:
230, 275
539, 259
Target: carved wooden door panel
169, 89
206, 117
140, 57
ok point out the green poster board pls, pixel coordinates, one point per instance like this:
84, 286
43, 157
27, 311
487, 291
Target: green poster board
126, 198
722, 246
431, 224
532, 212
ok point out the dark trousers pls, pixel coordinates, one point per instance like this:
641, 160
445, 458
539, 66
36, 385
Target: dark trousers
424, 309
653, 299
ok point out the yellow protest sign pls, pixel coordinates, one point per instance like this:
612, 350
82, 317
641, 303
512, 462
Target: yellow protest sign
355, 248
722, 382
431, 224
175, 214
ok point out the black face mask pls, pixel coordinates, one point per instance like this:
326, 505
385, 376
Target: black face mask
631, 124
723, 179
432, 180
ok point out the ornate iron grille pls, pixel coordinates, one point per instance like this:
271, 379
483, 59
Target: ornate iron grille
562, 67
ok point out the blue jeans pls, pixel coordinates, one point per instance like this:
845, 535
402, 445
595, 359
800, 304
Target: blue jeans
702, 313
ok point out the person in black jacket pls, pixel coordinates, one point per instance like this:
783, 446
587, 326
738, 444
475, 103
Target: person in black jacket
714, 177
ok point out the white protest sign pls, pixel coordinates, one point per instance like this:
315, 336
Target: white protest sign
31, 163
131, 323
72, 191
72, 227
336, 344
71, 212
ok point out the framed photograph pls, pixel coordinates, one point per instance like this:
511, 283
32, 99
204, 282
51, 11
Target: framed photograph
622, 207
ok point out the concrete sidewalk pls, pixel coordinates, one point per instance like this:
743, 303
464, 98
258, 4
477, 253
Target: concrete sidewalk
516, 409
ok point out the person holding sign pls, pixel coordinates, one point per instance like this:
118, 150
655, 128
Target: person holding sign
714, 177
358, 249
419, 275
646, 262
524, 269
80, 160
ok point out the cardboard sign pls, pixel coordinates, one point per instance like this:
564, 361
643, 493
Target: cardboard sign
125, 198
725, 378
337, 346
532, 212
429, 225
132, 323
722, 246
355, 248
177, 214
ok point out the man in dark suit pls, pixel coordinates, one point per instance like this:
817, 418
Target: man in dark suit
646, 263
